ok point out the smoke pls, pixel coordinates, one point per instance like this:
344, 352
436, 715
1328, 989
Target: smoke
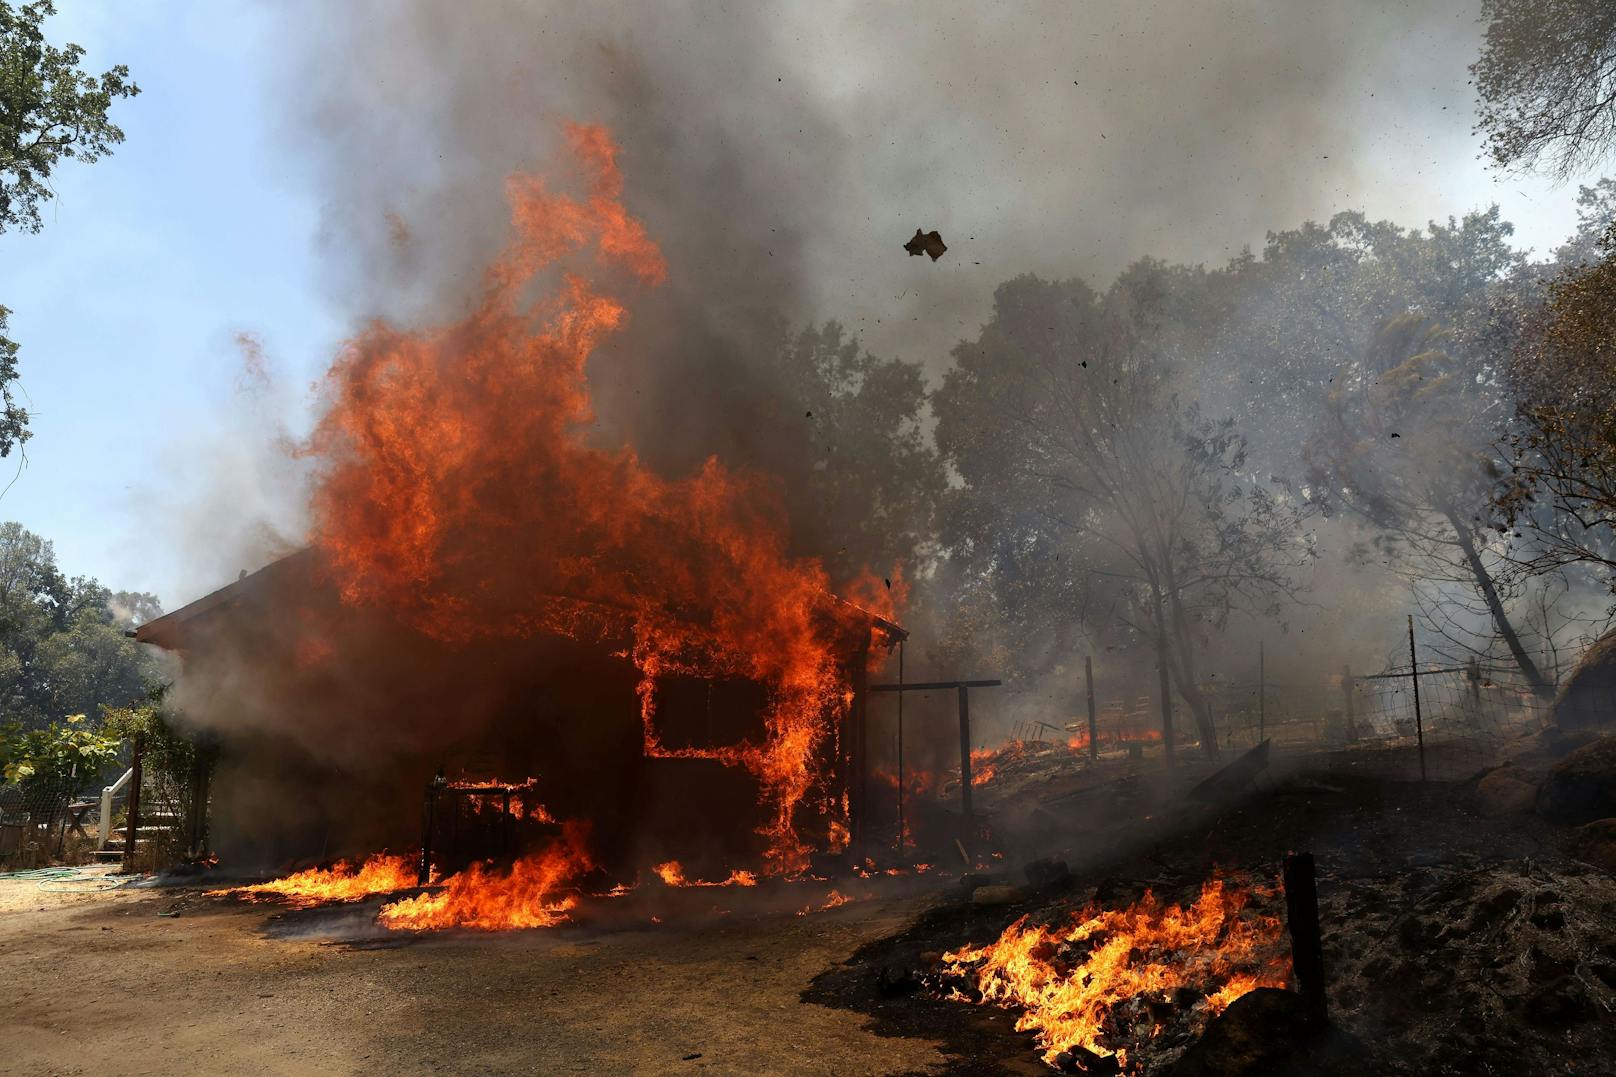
781, 155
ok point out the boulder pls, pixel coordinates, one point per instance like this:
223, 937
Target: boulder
1595, 842
1504, 792
1270, 1031
1588, 696
1581, 787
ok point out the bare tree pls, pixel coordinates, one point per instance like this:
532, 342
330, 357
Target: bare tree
1546, 83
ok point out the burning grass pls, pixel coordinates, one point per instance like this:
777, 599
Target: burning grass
381, 873
1108, 980
673, 874
537, 891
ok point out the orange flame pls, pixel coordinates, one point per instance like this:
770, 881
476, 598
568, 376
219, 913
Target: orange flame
1066, 980
380, 874
673, 874
533, 893
455, 489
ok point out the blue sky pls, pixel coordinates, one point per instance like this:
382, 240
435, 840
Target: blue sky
204, 224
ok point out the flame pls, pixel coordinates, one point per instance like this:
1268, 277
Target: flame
1067, 980
380, 874
672, 874
455, 489
535, 892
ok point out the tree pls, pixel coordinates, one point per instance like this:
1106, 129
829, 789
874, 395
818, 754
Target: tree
1546, 82
49, 110
1561, 491
1405, 445
860, 476
1082, 471
62, 643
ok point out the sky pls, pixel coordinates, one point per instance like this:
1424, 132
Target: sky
213, 220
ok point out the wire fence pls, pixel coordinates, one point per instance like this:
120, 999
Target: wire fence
1468, 718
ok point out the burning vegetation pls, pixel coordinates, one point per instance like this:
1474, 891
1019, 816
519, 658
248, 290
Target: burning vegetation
1109, 980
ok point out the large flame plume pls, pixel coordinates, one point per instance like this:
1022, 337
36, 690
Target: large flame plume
457, 490
1068, 980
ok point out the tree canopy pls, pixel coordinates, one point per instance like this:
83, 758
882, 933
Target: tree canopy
1546, 83
50, 110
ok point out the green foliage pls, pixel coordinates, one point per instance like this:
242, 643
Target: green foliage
62, 749
1546, 82
165, 750
62, 642
49, 110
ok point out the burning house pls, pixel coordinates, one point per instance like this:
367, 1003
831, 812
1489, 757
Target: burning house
661, 765
511, 641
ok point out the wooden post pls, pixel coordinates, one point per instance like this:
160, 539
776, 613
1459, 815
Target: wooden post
1414, 673
201, 776
132, 824
1094, 732
1302, 916
965, 751
1473, 672
1347, 686
1262, 695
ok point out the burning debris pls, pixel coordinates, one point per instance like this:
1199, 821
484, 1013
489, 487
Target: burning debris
1109, 983
926, 243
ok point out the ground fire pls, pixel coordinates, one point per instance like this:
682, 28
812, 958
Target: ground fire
1109, 979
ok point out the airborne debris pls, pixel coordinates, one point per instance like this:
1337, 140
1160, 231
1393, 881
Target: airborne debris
926, 243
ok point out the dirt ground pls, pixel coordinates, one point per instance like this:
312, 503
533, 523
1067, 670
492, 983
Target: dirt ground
106, 984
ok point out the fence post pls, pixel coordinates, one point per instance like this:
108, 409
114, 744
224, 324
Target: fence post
1094, 732
965, 752
132, 825
1347, 686
903, 844
1262, 694
1414, 673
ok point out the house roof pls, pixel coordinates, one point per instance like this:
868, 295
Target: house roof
172, 630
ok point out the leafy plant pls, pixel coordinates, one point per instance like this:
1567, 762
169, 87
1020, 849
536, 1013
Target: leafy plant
61, 749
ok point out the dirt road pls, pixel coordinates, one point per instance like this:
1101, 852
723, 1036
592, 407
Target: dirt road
103, 984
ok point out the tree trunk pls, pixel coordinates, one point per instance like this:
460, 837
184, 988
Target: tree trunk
1495, 606
1189, 686
1162, 669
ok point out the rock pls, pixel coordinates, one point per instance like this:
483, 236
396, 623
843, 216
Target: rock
1588, 696
1581, 787
889, 984
1418, 933
1046, 872
1557, 1004
1595, 842
1270, 1031
1079, 1059
1503, 792
994, 895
